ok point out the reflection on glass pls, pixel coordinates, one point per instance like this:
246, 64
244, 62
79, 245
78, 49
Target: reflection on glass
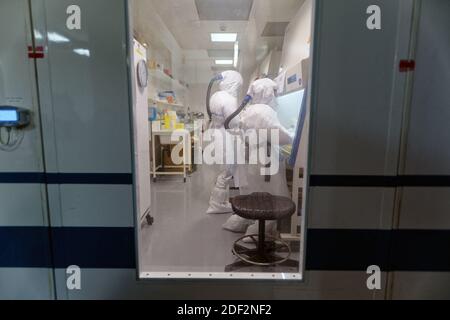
57, 38
82, 52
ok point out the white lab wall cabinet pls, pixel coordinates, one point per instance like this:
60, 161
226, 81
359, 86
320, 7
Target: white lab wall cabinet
357, 112
141, 130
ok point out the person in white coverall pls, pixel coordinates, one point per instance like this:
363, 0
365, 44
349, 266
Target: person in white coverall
222, 105
261, 114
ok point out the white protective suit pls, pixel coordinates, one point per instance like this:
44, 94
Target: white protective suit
223, 104
261, 115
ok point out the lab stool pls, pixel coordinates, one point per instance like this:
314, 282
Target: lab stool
262, 207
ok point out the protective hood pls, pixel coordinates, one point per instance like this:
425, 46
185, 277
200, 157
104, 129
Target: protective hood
263, 91
232, 82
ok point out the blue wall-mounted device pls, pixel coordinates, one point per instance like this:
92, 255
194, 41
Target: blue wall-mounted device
14, 117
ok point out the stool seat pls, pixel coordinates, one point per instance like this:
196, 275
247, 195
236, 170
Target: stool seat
262, 206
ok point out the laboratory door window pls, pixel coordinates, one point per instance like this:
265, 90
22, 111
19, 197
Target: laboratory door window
221, 132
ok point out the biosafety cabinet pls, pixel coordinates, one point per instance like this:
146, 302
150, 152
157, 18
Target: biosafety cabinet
376, 182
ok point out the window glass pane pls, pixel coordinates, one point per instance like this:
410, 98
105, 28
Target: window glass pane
227, 101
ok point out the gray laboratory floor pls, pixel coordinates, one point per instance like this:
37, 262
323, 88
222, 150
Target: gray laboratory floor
183, 237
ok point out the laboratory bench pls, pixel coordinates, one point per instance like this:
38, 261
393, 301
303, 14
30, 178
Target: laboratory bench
161, 150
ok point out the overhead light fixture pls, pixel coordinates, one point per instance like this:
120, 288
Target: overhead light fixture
223, 37
236, 53
224, 62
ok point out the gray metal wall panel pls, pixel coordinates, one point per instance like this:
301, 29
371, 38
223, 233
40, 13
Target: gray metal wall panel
89, 84
332, 285
18, 283
86, 111
17, 84
86, 122
122, 284
421, 285
429, 135
427, 152
351, 208
356, 121
21, 204
97, 206
425, 208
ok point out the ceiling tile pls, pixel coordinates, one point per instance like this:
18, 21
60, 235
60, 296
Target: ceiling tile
217, 53
224, 10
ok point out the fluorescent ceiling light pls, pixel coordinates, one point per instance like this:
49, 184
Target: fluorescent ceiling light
223, 37
224, 62
236, 54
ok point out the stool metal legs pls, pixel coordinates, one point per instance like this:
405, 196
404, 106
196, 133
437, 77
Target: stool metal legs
262, 238
265, 254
